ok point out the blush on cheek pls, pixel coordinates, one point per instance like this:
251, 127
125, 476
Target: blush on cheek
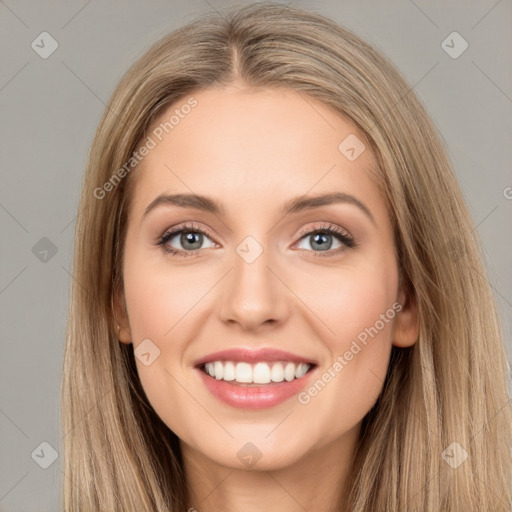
362, 320
353, 306
157, 301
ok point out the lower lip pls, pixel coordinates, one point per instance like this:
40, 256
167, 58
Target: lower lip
254, 397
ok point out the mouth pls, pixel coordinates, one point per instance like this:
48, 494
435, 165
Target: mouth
260, 379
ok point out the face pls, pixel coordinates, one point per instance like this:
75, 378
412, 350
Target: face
311, 288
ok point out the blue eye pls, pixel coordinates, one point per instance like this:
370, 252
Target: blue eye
191, 238
321, 238
188, 235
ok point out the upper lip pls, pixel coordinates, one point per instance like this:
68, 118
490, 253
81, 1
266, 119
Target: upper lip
253, 356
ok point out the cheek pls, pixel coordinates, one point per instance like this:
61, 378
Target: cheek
355, 318
158, 297
349, 299
160, 300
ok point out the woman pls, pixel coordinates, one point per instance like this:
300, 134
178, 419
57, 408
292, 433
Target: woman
263, 367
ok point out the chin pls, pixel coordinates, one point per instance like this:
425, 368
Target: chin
254, 456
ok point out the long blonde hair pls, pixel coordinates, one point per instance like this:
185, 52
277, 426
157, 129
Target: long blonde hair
450, 387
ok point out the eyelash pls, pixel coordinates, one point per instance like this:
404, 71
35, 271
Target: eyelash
330, 229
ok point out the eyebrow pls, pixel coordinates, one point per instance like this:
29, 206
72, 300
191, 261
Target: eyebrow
295, 205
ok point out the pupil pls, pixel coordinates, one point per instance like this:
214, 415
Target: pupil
190, 237
322, 238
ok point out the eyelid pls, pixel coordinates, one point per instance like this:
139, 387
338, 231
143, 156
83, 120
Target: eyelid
326, 226
184, 226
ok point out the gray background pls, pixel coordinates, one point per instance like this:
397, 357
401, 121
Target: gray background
50, 109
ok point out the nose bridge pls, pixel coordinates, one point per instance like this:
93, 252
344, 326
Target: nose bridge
254, 295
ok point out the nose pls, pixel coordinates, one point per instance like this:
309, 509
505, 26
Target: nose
253, 295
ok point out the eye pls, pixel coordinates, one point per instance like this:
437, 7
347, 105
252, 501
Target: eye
190, 237
320, 239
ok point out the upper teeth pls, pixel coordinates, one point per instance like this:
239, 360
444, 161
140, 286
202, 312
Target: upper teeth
259, 373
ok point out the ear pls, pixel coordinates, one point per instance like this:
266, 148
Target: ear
407, 323
121, 318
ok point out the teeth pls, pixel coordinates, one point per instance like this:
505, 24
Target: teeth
289, 371
229, 372
277, 373
301, 370
259, 373
243, 372
217, 369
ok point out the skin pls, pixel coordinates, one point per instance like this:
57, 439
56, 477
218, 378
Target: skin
252, 151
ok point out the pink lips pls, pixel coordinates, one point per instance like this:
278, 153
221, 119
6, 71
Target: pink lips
254, 396
253, 356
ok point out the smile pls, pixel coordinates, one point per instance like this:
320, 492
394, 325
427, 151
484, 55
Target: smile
258, 373
254, 379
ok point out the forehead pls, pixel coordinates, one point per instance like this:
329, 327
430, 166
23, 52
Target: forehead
252, 148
